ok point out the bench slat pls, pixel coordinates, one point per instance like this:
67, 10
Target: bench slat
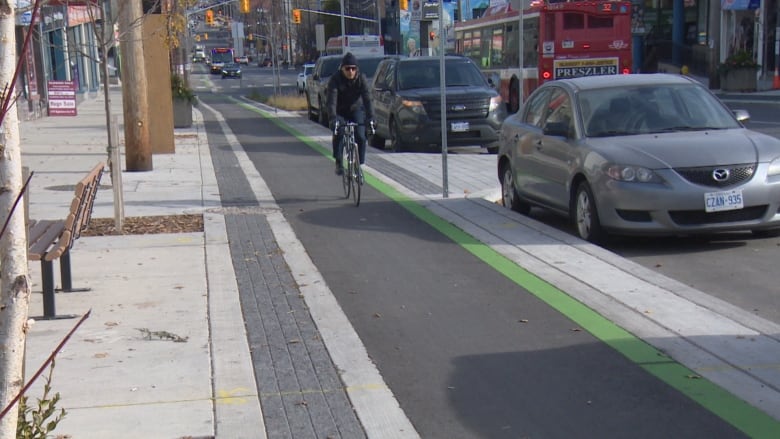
43, 235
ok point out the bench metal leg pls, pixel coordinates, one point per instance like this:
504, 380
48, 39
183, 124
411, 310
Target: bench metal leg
47, 275
65, 277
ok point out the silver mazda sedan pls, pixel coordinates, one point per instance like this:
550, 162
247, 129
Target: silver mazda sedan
639, 155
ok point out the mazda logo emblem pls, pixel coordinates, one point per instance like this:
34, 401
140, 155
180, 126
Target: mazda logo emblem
458, 108
720, 175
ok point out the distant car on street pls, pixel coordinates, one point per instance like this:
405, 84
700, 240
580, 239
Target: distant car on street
231, 70
243, 59
265, 62
651, 154
301, 81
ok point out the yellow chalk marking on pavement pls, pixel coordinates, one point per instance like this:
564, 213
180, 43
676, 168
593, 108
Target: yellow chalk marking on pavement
236, 395
362, 387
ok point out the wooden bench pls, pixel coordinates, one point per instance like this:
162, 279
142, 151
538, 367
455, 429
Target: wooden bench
49, 240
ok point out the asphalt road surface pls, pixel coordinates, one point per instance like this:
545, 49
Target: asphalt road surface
467, 352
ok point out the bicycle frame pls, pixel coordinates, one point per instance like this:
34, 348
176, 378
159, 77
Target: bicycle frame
352, 179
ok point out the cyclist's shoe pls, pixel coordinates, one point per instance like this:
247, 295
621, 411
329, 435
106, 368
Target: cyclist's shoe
339, 168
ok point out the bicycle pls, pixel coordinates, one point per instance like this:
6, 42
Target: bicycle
352, 178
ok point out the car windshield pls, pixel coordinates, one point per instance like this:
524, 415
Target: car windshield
330, 66
368, 66
648, 109
425, 74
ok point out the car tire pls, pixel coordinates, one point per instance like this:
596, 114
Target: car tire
395, 137
514, 97
378, 141
509, 196
322, 118
312, 114
585, 217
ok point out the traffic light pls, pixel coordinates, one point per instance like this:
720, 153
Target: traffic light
296, 16
209, 17
244, 6
432, 35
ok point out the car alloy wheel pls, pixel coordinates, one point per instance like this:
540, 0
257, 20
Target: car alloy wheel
509, 194
586, 217
395, 137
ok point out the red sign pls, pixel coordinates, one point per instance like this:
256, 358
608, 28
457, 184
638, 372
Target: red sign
62, 98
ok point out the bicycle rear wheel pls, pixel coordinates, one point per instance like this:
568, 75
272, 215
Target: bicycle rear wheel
357, 183
346, 177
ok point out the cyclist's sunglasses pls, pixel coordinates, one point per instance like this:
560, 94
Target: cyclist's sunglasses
350, 68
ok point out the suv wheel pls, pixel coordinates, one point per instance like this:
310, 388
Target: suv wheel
378, 141
395, 137
322, 117
312, 115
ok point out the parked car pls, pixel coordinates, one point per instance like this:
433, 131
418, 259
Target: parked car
639, 154
301, 81
406, 94
231, 70
317, 82
243, 59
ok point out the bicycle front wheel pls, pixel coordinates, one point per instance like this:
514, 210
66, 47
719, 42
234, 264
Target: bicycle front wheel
346, 177
357, 180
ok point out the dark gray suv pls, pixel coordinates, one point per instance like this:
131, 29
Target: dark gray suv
317, 82
407, 105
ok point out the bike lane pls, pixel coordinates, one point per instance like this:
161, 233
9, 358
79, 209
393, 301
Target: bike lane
470, 344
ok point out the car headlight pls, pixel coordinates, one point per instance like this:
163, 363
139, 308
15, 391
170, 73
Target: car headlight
774, 167
494, 103
636, 174
414, 106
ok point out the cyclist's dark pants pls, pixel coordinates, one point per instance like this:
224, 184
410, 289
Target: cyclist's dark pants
359, 117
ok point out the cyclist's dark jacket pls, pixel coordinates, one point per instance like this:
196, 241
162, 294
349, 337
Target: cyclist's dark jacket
345, 96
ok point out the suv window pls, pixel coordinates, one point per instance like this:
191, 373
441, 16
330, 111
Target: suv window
329, 66
425, 74
368, 66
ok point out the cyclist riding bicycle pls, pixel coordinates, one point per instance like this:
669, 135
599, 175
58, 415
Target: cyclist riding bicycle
349, 100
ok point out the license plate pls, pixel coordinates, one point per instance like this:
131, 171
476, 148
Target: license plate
727, 200
459, 127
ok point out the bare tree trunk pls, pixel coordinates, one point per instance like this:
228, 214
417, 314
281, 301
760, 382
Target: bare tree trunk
14, 283
138, 145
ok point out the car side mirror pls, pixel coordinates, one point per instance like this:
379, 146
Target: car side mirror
742, 115
559, 129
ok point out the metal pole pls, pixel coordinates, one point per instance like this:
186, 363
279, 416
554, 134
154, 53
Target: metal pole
521, 54
343, 29
443, 107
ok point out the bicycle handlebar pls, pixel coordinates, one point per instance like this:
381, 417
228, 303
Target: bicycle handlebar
371, 125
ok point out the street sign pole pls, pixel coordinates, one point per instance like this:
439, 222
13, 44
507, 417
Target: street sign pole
443, 108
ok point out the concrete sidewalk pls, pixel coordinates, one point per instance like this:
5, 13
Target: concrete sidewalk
117, 383
114, 381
